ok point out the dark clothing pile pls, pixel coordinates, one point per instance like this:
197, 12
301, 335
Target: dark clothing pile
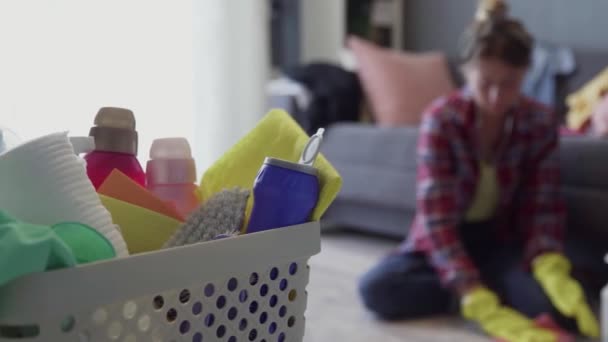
336, 95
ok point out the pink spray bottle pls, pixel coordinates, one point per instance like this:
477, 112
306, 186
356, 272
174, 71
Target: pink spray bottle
115, 146
171, 173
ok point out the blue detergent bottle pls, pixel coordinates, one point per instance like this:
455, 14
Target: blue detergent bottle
285, 193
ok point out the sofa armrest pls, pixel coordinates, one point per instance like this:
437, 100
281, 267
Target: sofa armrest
584, 162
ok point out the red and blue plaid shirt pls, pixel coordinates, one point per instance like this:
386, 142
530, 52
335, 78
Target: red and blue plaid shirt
530, 206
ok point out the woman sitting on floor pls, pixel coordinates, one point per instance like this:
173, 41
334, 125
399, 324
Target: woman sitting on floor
489, 230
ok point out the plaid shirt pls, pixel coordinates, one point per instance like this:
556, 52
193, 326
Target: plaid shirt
530, 207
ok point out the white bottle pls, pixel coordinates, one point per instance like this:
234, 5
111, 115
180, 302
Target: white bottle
8, 139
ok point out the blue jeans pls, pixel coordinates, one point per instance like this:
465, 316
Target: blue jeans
405, 286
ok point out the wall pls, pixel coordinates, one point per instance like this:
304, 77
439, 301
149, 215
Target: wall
231, 68
323, 27
437, 24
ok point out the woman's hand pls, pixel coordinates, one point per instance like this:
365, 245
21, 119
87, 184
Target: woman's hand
483, 307
552, 271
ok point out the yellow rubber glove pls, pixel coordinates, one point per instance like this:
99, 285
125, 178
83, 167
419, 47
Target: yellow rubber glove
552, 271
483, 307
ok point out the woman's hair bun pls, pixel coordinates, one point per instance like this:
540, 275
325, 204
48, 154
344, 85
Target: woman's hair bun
491, 10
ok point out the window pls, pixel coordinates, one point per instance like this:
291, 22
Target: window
61, 60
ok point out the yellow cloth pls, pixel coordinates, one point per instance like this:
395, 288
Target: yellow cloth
485, 200
277, 135
144, 230
552, 271
483, 307
582, 103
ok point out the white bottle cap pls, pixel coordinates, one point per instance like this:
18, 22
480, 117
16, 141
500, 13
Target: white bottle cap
170, 162
170, 148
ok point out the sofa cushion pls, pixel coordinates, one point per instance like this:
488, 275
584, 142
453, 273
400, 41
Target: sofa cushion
378, 165
587, 216
368, 144
377, 185
584, 162
399, 85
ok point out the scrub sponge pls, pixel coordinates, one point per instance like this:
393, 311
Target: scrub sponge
222, 214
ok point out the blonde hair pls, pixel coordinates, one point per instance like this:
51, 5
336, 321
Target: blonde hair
493, 34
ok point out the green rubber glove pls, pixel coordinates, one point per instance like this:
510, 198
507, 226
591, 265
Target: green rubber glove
483, 307
86, 243
552, 271
28, 248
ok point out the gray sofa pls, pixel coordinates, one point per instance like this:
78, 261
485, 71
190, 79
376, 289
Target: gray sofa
378, 168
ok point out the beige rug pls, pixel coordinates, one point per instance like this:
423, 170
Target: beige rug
335, 312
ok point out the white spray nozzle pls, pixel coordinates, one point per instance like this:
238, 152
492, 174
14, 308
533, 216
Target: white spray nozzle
8, 139
83, 144
312, 148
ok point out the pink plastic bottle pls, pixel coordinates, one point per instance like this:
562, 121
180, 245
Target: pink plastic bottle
171, 173
115, 146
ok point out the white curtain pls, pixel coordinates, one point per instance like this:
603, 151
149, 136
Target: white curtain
192, 68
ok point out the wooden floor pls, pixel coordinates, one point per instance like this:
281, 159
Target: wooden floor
335, 312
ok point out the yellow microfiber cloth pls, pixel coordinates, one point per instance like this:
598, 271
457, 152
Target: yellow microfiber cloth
277, 135
144, 230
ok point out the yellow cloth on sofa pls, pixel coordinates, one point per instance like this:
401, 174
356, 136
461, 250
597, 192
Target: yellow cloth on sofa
583, 102
277, 135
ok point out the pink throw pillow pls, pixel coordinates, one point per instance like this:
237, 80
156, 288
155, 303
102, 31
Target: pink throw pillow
400, 85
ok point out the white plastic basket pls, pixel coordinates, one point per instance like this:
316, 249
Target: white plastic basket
246, 288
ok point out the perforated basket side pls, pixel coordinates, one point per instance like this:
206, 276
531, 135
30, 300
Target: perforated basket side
255, 297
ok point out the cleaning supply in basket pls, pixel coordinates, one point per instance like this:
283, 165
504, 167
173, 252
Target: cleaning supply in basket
83, 144
44, 182
29, 248
144, 230
115, 146
220, 216
278, 136
123, 188
171, 173
8, 139
285, 193
86, 243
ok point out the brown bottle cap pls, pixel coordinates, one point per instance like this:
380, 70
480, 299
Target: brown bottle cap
114, 130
